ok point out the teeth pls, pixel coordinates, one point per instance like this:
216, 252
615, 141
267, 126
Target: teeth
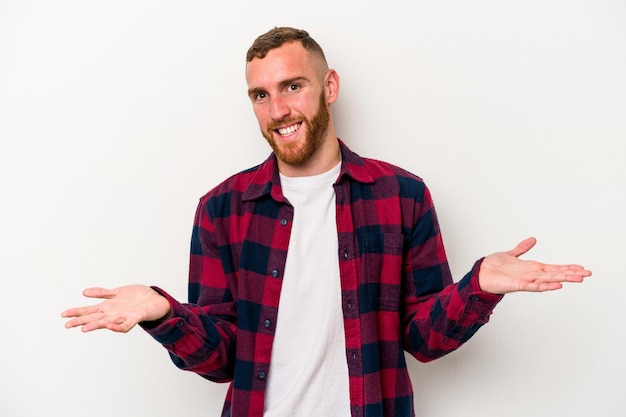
286, 131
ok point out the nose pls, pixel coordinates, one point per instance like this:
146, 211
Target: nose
279, 108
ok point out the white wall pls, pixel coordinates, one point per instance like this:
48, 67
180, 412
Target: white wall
116, 116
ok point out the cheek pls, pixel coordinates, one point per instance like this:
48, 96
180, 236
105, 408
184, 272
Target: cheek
304, 107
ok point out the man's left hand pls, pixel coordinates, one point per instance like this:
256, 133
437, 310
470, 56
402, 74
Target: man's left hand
504, 272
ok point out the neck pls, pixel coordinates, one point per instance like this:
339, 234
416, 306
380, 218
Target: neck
325, 158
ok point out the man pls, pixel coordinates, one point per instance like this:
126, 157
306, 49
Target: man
312, 273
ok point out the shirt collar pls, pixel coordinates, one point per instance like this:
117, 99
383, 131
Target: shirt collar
266, 180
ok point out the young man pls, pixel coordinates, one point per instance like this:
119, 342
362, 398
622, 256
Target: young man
312, 273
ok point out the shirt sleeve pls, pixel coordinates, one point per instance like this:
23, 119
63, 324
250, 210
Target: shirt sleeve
438, 315
200, 335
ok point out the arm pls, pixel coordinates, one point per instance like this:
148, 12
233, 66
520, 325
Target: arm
199, 336
440, 316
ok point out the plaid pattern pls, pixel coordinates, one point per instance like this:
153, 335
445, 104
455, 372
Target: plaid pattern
397, 291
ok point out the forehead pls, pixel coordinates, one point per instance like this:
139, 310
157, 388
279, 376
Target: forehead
288, 61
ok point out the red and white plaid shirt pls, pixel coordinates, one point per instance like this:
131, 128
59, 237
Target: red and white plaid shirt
397, 291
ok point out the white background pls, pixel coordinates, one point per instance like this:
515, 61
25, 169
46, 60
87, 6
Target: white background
116, 116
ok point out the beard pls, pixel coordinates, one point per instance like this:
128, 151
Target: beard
298, 153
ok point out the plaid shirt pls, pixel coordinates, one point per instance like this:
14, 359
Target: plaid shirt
397, 290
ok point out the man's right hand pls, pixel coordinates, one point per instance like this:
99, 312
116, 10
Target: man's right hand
121, 309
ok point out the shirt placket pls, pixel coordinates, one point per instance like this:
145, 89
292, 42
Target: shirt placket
269, 302
348, 269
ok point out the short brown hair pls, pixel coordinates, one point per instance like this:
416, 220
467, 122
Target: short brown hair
278, 36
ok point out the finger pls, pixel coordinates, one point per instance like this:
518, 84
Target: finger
562, 273
572, 277
96, 322
98, 292
89, 327
523, 247
578, 269
543, 286
84, 320
554, 277
79, 311
121, 326
94, 325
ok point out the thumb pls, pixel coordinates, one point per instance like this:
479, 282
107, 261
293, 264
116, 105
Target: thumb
98, 292
523, 247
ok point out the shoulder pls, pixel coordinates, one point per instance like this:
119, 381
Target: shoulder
236, 183
392, 177
226, 198
380, 174
380, 168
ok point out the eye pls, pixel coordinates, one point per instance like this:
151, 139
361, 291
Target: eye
260, 97
293, 88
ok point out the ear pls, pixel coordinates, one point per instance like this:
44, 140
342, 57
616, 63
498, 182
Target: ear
331, 86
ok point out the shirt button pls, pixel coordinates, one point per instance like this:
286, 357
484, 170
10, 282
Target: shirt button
345, 255
261, 375
267, 324
353, 357
283, 222
474, 298
349, 306
275, 273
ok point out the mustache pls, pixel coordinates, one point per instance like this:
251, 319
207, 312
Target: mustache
283, 123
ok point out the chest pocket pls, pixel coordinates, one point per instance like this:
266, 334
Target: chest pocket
381, 271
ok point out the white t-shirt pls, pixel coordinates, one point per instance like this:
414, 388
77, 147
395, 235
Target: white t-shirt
308, 374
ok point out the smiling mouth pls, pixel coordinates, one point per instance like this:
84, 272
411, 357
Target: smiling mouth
288, 130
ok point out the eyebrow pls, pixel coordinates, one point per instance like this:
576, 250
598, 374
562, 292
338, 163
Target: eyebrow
254, 91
